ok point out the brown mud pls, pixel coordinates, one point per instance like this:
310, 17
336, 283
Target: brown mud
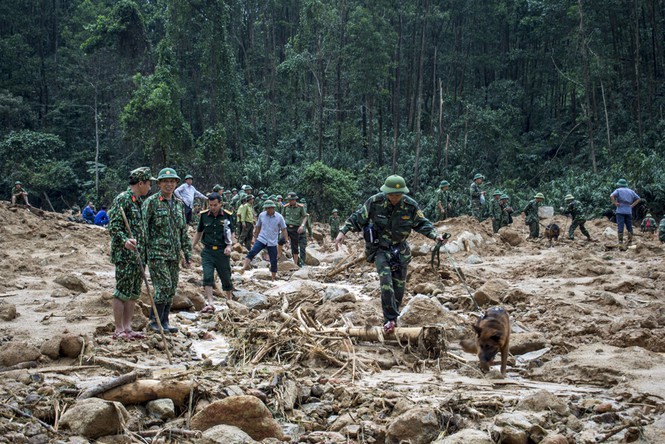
587, 364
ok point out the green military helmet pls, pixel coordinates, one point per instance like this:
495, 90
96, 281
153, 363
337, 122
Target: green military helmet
18, 182
189, 176
140, 174
504, 197
478, 176
335, 210
291, 196
272, 197
264, 195
539, 196
394, 184
168, 173
234, 189
648, 215
569, 197
279, 196
444, 183
497, 193
622, 183
217, 187
226, 192
269, 204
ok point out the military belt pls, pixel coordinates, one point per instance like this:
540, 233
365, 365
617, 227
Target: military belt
215, 247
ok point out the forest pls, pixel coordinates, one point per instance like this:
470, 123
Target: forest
327, 98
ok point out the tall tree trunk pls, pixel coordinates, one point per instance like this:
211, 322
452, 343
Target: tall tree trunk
636, 67
439, 132
380, 147
434, 92
396, 94
419, 101
584, 53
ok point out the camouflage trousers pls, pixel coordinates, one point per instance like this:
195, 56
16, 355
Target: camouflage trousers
128, 278
392, 282
496, 224
246, 235
577, 223
477, 210
164, 275
534, 229
212, 260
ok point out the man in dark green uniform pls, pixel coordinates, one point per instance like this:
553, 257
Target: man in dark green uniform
333, 220
661, 230
166, 238
308, 232
19, 193
531, 215
574, 208
444, 204
495, 210
295, 217
386, 219
128, 273
215, 231
506, 217
477, 196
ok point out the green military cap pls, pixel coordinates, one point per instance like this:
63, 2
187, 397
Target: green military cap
234, 189
539, 196
279, 196
497, 193
140, 174
268, 204
569, 197
335, 210
217, 187
394, 184
291, 196
18, 182
189, 176
478, 176
444, 183
648, 215
227, 192
622, 183
168, 173
504, 196
272, 197
246, 187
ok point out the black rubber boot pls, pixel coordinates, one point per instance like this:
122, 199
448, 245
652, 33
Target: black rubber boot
153, 322
165, 320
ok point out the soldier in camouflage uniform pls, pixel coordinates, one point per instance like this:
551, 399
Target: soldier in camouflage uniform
18, 192
506, 217
649, 225
128, 272
495, 210
166, 238
477, 196
531, 215
386, 219
661, 230
574, 208
308, 231
444, 204
333, 220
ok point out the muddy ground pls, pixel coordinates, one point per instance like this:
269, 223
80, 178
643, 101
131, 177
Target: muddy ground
586, 366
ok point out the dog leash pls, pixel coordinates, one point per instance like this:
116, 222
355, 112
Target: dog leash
452, 262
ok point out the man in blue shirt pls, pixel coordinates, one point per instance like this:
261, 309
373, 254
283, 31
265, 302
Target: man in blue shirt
624, 199
101, 219
89, 213
266, 235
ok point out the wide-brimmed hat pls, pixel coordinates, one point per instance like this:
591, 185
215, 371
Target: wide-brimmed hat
189, 176
168, 173
394, 184
269, 204
18, 182
291, 196
444, 183
497, 193
569, 197
478, 176
504, 196
622, 183
539, 196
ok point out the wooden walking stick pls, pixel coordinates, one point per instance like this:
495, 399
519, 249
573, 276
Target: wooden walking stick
147, 286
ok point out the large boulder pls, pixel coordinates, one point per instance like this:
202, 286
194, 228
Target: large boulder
543, 401
13, 353
338, 294
510, 236
181, 302
251, 299
7, 311
521, 343
421, 310
491, 292
94, 417
51, 347
466, 436
248, 413
417, 426
225, 434
72, 282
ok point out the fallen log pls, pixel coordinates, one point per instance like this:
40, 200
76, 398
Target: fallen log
144, 390
339, 269
108, 385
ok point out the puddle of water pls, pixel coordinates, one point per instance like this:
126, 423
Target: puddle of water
215, 349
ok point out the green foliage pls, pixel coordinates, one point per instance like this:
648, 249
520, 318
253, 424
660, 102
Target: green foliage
327, 188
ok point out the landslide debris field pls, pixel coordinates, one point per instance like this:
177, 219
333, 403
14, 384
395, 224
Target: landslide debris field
302, 359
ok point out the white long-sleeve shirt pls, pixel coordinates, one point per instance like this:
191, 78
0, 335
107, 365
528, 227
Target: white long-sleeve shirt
187, 193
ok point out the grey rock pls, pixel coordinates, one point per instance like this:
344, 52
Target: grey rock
251, 299
72, 282
421, 310
473, 260
94, 417
161, 409
225, 434
338, 294
417, 426
466, 436
7, 311
13, 353
543, 401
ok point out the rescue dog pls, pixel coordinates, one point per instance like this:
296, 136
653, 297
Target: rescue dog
552, 232
493, 336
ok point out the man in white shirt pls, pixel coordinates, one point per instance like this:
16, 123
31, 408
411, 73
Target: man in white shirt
266, 235
187, 193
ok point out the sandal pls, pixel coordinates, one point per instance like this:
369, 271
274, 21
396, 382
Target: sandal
122, 335
134, 334
208, 309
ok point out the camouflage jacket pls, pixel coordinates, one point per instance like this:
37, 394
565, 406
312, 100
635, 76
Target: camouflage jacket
475, 191
648, 224
505, 216
575, 210
16, 191
334, 224
445, 198
166, 228
494, 209
131, 205
531, 211
393, 224
661, 230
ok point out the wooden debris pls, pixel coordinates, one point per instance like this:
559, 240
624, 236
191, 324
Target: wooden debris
116, 382
144, 390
